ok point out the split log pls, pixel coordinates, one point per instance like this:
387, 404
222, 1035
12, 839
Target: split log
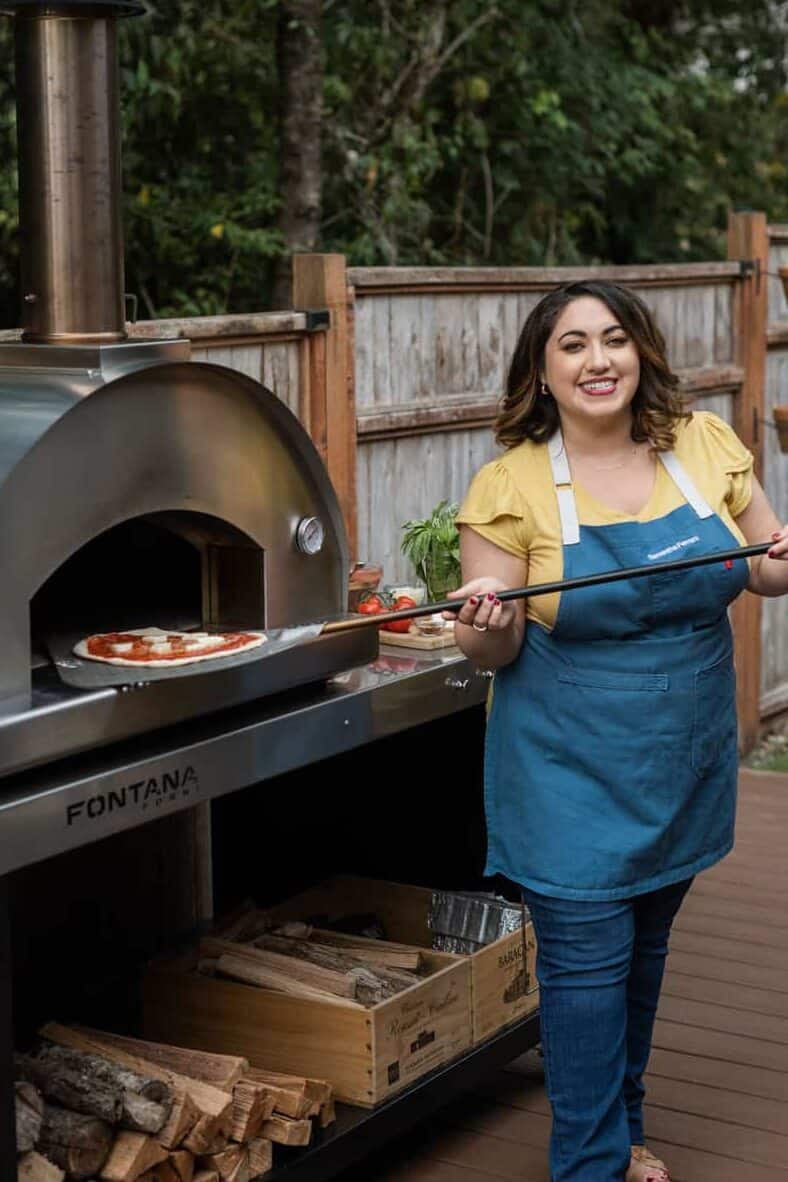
223, 1071
29, 1111
288, 1101
327, 978
165, 1172
286, 1131
232, 1164
213, 1105
183, 1163
252, 1104
373, 986
244, 923
243, 968
76, 1089
79, 1144
183, 1118
261, 1156
314, 1089
33, 1167
206, 1175
132, 1154
384, 952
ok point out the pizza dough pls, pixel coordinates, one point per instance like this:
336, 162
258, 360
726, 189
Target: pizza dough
154, 648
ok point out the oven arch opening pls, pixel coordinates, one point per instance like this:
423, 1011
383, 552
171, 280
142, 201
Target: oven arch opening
173, 569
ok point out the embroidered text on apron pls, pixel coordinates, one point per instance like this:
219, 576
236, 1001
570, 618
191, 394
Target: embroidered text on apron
611, 751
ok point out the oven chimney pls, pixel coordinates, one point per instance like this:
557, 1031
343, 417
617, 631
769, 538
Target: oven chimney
68, 127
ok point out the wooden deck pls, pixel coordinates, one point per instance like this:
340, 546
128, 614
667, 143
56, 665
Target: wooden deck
717, 1103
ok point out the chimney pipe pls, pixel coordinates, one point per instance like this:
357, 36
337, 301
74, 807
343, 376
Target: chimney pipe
68, 120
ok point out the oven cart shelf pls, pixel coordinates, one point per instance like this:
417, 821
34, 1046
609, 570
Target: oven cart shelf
358, 1132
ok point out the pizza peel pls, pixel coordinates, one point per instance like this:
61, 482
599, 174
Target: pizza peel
91, 675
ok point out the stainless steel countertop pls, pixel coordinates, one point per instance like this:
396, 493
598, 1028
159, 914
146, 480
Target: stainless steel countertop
61, 806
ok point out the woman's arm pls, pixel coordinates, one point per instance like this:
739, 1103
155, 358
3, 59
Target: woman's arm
499, 629
759, 523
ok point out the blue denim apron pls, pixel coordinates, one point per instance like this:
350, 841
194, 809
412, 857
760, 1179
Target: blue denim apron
611, 749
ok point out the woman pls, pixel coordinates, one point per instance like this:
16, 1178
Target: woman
611, 757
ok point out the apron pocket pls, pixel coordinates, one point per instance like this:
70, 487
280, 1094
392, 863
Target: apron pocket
629, 682
714, 720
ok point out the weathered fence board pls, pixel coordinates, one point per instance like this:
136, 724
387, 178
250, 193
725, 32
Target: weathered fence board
774, 621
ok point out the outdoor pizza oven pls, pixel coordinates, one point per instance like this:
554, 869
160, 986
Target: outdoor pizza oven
137, 488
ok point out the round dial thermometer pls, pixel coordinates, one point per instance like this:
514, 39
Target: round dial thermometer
310, 535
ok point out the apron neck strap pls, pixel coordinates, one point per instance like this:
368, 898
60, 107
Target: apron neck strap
562, 479
567, 508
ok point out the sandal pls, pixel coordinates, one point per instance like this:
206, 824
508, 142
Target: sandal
644, 1167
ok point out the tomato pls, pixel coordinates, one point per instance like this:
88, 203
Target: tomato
369, 609
402, 602
396, 626
372, 602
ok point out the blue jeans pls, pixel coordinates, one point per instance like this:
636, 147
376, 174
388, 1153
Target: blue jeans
600, 969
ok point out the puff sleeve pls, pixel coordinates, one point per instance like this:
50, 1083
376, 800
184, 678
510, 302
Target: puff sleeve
494, 507
733, 458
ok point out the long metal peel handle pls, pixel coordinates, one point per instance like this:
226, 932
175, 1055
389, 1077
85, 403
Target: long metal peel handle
609, 576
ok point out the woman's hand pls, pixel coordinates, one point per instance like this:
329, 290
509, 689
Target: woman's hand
483, 610
780, 548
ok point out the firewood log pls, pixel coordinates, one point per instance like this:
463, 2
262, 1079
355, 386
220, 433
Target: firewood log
104, 1069
32, 1167
213, 1105
385, 952
317, 976
287, 1101
183, 1163
206, 1175
132, 1154
232, 1164
79, 1144
251, 972
165, 1172
252, 1104
97, 1087
380, 983
286, 1131
77, 1090
261, 1156
183, 1118
314, 1089
223, 1071
29, 1111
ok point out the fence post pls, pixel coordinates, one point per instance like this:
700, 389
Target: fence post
748, 240
320, 282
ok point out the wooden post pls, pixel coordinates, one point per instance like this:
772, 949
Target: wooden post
320, 282
748, 240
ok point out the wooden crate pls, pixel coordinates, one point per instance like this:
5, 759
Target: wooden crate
367, 1054
503, 974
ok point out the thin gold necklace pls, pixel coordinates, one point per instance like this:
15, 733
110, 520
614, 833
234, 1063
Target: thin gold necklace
609, 467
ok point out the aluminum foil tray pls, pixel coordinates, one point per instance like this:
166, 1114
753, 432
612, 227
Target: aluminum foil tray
474, 918
92, 675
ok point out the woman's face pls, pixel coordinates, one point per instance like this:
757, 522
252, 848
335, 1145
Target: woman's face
591, 365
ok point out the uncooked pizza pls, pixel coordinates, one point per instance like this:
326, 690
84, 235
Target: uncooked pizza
156, 648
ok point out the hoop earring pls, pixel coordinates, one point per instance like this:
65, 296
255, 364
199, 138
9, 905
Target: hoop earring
543, 389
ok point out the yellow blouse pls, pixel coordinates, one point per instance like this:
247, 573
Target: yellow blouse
511, 500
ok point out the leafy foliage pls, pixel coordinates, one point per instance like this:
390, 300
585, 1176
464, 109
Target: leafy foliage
432, 545
456, 132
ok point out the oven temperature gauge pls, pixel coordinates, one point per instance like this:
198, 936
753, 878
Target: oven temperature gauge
310, 535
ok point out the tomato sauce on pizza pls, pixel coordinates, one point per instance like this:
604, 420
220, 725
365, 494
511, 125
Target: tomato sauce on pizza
155, 647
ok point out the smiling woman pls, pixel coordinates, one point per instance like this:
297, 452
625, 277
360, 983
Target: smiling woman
611, 751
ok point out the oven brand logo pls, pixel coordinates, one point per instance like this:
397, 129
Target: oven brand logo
150, 793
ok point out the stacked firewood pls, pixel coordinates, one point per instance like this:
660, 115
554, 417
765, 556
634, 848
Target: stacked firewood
311, 962
99, 1106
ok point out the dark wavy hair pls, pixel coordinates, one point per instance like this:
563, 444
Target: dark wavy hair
526, 413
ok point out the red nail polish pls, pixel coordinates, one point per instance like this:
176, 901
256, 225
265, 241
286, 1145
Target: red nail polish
473, 600
772, 554
490, 595
729, 564
497, 603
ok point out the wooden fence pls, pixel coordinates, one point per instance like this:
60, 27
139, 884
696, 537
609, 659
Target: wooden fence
400, 390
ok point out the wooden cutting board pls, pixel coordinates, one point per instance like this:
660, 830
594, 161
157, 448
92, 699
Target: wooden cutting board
414, 639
